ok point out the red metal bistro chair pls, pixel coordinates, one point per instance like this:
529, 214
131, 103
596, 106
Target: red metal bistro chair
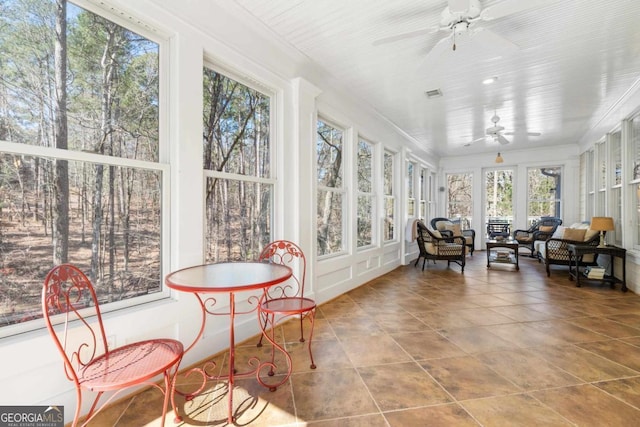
68, 299
286, 299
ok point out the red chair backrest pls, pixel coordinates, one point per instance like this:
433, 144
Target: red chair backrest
69, 300
286, 253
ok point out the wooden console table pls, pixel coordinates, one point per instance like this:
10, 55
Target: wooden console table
576, 252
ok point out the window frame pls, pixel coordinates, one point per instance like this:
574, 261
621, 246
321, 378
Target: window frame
342, 190
271, 180
372, 195
162, 166
557, 200
390, 197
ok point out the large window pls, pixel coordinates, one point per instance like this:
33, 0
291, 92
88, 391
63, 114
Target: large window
615, 190
634, 176
389, 197
411, 199
499, 195
544, 193
80, 180
424, 196
366, 198
331, 193
460, 196
237, 165
601, 183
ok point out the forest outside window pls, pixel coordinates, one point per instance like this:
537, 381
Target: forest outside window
411, 200
366, 198
237, 167
80, 180
331, 197
634, 177
460, 197
389, 197
544, 193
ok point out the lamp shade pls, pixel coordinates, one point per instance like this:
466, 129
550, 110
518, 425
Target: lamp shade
499, 158
602, 223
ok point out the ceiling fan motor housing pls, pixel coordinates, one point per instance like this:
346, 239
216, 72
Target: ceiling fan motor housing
460, 11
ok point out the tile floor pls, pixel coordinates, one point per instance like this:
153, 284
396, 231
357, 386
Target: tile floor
492, 347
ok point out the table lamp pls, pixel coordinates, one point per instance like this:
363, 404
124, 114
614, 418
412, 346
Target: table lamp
602, 224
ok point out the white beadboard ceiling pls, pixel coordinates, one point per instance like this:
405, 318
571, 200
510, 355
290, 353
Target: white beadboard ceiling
572, 63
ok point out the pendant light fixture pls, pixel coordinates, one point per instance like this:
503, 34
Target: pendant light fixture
499, 158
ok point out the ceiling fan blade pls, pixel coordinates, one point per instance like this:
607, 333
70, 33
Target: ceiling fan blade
458, 6
438, 49
493, 41
404, 36
466, 144
502, 140
526, 133
508, 7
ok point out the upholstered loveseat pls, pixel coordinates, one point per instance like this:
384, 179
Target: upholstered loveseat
554, 250
434, 246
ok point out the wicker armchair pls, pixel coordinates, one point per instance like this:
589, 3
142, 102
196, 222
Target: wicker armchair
555, 252
540, 231
447, 226
439, 248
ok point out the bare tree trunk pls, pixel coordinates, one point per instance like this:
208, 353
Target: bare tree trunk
61, 191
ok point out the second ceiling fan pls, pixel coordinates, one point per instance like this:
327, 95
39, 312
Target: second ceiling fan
496, 133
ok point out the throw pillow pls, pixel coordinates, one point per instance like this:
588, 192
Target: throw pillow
546, 228
443, 225
590, 234
436, 233
455, 229
559, 232
576, 234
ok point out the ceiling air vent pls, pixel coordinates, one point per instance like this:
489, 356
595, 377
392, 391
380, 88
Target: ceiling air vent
435, 93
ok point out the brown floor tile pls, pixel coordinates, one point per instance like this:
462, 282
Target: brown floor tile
427, 345
514, 410
401, 386
586, 405
617, 351
523, 335
324, 395
467, 378
626, 389
437, 416
527, 370
476, 339
367, 351
376, 420
582, 363
606, 327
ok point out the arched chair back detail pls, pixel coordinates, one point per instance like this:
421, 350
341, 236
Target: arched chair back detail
72, 315
286, 299
286, 253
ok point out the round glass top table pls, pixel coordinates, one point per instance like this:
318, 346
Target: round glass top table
228, 278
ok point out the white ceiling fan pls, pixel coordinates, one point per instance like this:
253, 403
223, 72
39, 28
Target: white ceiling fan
496, 133
458, 18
